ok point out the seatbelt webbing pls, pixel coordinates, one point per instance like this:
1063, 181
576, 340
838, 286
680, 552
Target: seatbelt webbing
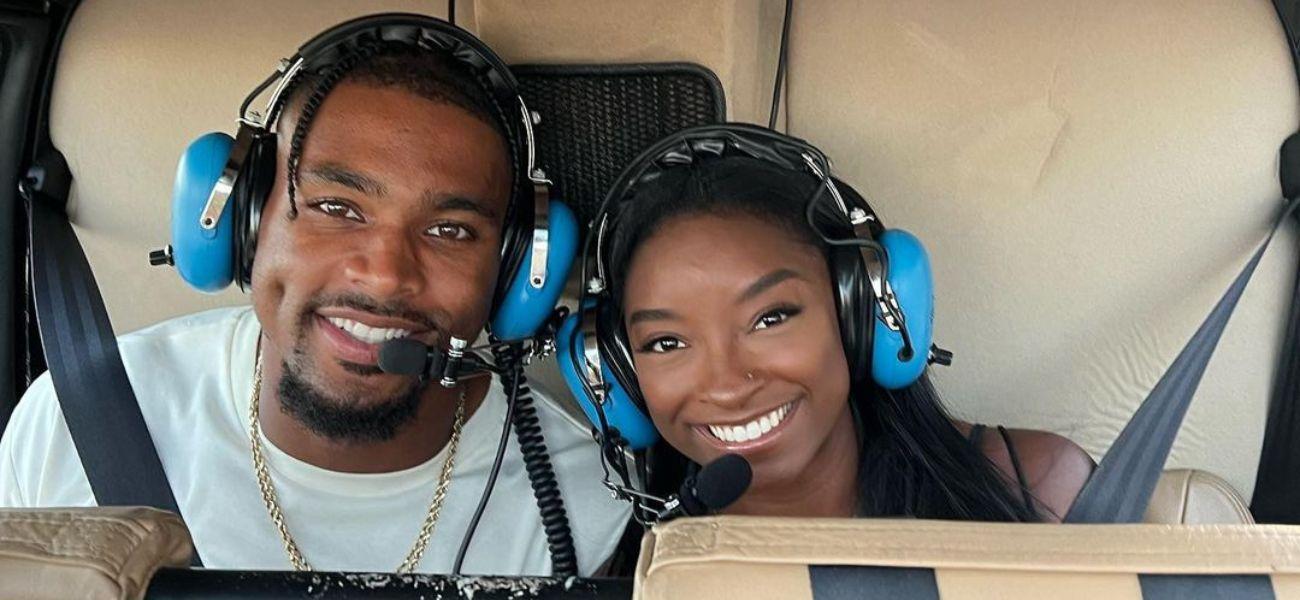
1121, 487
1277, 482
1289, 14
98, 403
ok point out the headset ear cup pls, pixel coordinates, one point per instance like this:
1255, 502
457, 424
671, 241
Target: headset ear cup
631, 422
524, 308
203, 257
853, 299
616, 365
911, 279
620, 410
252, 190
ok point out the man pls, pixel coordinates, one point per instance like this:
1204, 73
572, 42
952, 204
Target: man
284, 444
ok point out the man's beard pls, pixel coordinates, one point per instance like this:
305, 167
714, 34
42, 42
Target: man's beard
346, 419
344, 416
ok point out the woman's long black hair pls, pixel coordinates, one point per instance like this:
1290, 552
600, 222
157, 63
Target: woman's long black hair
913, 461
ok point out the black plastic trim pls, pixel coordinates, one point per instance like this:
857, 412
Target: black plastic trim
23, 40
622, 70
210, 584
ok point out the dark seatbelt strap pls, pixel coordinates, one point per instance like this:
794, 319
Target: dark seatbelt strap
98, 403
1120, 489
1277, 481
1288, 11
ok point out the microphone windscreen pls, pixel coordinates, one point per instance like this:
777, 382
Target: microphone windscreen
403, 356
723, 481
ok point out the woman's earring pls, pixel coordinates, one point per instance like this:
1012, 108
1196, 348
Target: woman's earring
749, 375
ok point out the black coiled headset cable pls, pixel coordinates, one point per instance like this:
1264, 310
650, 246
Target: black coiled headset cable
521, 415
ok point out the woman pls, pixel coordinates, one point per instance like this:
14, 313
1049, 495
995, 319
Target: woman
728, 311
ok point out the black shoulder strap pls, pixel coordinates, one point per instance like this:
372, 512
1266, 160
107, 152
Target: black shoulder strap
1121, 487
1288, 11
1015, 466
1277, 482
98, 403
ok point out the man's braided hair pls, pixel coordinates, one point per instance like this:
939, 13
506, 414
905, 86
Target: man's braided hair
426, 73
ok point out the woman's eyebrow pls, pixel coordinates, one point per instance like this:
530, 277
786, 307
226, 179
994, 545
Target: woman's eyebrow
651, 314
764, 283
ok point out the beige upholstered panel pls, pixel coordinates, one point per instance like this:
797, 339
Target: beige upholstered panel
89, 553
1191, 497
970, 584
768, 558
729, 580
1088, 176
1286, 586
1142, 548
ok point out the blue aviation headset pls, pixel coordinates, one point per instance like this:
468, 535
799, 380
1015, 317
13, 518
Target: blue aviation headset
883, 284
222, 183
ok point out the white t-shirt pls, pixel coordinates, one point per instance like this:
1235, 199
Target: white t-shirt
193, 378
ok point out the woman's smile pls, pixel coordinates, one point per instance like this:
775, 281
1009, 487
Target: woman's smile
749, 433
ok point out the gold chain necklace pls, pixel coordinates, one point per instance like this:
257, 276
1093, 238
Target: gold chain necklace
277, 516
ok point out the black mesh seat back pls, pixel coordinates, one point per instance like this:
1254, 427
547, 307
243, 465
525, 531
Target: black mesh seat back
597, 118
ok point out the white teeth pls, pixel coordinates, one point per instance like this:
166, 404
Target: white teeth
739, 434
753, 429
722, 433
362, 331
366, 333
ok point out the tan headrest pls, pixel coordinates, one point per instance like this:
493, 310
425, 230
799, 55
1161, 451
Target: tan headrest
1191, 497
87, 553
760, 558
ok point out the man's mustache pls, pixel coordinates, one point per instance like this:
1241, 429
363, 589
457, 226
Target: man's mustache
434, 320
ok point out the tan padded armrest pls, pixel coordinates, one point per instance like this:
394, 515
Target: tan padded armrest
760, 558
88, 553
1192, 497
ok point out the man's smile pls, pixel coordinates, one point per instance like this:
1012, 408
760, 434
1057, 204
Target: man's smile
365, 333
355, 336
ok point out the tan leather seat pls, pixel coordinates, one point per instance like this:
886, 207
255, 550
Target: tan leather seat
87, 553
1192, 497
761, 558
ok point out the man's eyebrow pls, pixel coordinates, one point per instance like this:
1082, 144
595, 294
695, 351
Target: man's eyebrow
764, 283
334, 173
458, 202
651, 314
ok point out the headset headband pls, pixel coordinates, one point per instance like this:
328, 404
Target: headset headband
330, 46
687, 146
